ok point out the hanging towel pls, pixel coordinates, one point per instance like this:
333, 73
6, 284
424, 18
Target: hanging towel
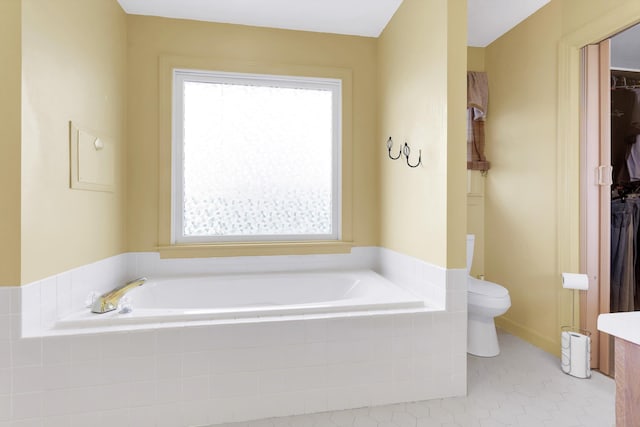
478, 94
477, 105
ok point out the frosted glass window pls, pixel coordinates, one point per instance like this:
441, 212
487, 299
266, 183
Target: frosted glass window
255, 157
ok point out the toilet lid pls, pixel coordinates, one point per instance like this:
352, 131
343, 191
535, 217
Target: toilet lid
482, 287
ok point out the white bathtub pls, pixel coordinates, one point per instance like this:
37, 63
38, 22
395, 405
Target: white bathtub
245, 296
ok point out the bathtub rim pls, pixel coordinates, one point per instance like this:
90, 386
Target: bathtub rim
152, 318
249, 320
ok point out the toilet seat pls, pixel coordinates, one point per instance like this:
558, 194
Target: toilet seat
486, 297
487, 289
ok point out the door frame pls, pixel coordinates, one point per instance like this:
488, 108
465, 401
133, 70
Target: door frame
568, 140
595, 200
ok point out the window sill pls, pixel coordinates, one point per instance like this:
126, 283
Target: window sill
254, 249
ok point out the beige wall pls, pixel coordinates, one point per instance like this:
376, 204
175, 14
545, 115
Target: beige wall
520, 188
74, 68
151, 37
521, 198
475, 58
456, 143
422, 96
10, 48
575, 14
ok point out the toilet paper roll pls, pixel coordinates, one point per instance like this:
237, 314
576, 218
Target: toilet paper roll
575, 281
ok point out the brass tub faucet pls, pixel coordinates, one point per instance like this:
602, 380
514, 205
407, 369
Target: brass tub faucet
109, 301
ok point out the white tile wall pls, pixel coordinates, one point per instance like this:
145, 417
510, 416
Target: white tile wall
189, 376
420, 277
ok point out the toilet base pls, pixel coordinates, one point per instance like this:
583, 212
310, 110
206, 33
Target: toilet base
482, 339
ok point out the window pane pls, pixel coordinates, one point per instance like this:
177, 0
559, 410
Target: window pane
257, 160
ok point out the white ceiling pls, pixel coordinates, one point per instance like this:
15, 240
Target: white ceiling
488, 19
352, 17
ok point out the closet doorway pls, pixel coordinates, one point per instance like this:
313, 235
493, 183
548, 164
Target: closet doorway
610, 185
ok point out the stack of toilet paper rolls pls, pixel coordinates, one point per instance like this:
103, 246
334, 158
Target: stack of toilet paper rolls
576, 344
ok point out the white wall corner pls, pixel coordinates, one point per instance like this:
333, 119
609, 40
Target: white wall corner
456, 290
42, 303
30, 309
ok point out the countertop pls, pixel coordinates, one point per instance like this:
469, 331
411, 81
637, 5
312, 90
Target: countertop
621, 325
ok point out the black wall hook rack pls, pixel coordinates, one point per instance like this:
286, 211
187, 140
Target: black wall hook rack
389, 145
406, 151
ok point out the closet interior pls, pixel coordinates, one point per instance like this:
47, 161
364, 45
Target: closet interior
625, 194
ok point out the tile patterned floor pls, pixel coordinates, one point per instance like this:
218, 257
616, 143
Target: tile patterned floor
522, 387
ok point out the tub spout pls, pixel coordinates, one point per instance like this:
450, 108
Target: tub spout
109, 301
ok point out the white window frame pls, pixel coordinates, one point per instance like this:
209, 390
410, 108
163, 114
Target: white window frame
180, 76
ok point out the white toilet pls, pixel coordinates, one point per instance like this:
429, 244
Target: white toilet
485, 300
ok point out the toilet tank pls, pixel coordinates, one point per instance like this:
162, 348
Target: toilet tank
471, 240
